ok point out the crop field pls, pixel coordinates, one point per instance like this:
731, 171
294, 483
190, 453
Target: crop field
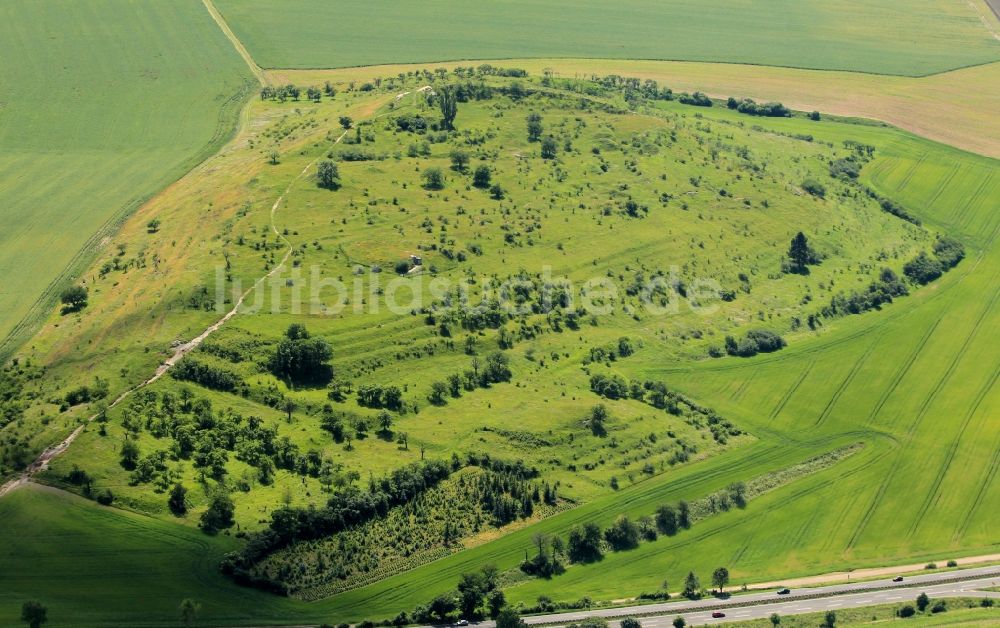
925, 37
900, 403
121, 100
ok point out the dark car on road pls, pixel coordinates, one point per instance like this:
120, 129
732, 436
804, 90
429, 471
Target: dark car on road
718, 614
785, 591
898, 579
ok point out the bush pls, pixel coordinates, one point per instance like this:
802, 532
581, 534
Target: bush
814, 187
892, 207
433, 179
584, 544
949, 251
327, 175
756, 341
844, 169
748, 106
906, 611
300, 358
698, 99
74, 298
481, 177
623, 535
923, 269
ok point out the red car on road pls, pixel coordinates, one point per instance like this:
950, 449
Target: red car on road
718, 614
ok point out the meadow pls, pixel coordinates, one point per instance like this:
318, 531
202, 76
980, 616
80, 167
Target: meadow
927, 106
121, 100
908, 383
929, 36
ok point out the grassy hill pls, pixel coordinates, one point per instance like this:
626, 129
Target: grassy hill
905, 388
108, 102
928, 36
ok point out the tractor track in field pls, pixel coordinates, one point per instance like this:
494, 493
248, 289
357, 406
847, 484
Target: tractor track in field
932, 494
943, 185
991, 474
901, 373
846, 383
974, 197
919, 418
791, 391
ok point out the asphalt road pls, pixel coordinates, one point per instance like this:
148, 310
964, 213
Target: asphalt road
811, 600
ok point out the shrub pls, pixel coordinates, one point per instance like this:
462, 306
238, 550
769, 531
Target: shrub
814, 187
327, 175
923, 269
844, 169
74, 298
433, 179
755, 341
481, 177
906, 611
623, 535
949, 251
698, 99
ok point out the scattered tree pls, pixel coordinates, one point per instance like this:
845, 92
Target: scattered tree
74, 298
177, 502
508, 618
549, 148
720, 578
800, 254
459, 160
481, 177
923, 602
34, 613
327, 175
433, 178
534, 127
189, 610
692, 586
219, 514
346, 122
598, 417
448, 104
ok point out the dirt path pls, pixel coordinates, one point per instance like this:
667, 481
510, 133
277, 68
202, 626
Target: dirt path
231, 36
42, 461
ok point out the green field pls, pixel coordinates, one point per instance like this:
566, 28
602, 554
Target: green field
927, 36
914, 383
108, 102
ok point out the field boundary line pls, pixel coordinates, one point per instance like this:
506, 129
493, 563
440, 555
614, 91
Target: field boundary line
226, 128
240, 48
